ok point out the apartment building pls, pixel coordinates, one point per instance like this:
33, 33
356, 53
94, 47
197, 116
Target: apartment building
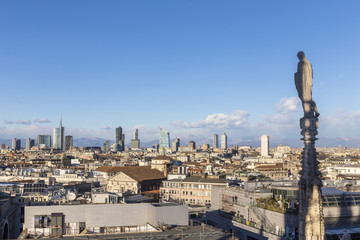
193, 190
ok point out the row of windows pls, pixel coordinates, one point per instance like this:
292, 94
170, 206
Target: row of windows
191, 193
187, 185
171, 191
192, 201
196, 201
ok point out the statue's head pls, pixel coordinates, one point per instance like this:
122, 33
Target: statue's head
301, 55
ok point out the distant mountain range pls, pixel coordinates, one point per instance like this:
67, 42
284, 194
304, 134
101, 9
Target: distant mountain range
322, 142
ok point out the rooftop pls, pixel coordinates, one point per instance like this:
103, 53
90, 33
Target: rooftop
202, 179
140, 173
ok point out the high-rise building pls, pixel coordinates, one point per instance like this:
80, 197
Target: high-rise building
192, 145
119, 139
264, 146
44, 141
16, 144
164, 140
223, 141
216, 141
135, 142
175, 145
69, 141
58, 137
29, 144
106, 147
205, 147
3, 146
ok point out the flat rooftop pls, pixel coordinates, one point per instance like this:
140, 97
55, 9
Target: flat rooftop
180, 232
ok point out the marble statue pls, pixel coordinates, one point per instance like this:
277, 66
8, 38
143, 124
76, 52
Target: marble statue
304, 83
311, 217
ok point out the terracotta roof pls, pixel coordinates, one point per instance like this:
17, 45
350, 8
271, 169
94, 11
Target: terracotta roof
109, 169
270, 166
139, 173
162, 157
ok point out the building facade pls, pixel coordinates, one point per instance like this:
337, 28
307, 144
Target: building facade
164, 140
175, 145
192, 145
223, 141
264, 146
58, 136
119, 139
69, 141
44, 141
135, 179
135, 142
57, 220
193, 190
16, 144
29, 144
216, 141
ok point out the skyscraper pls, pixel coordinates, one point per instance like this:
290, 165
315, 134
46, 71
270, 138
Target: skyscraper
192, 145
68, 142
29, 143
119, 139
216, 141
164, 140
264, 146
135, 142
106, 147
175, 145
223, 141
58, 136
44, 141
16, 144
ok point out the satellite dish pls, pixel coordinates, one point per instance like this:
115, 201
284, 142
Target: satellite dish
71, 196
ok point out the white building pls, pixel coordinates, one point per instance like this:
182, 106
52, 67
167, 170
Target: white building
223, 141
264, 146
101, 218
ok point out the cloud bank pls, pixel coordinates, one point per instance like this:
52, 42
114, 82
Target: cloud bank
42, 120
238, 118
22, 122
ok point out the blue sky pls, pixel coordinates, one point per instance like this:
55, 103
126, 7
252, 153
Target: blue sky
193, 67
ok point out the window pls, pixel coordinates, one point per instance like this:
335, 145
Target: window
42, 221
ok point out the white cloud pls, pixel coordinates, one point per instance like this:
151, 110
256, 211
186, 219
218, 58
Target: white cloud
106, 127
287, 105
23, 122
24, 131
42, 120
284, 111
342, 123
238, 118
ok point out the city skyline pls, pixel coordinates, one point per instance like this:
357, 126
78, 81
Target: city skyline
240, 64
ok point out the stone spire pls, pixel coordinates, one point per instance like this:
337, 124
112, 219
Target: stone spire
311, 219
